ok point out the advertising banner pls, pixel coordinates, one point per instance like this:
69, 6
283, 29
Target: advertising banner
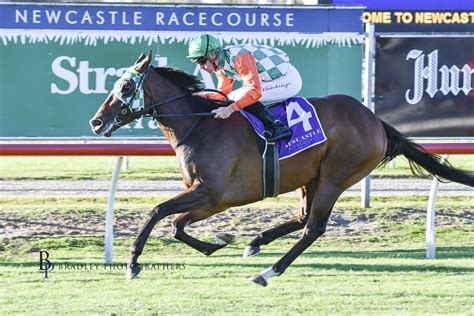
421, 21
392, 16
172, 18
57, 62
424, 86
409, 4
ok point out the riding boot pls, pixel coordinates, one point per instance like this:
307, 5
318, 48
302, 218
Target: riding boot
270, 121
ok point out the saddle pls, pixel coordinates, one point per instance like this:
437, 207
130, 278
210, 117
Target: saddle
301, 117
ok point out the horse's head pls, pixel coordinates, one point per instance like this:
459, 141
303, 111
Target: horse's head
119, 108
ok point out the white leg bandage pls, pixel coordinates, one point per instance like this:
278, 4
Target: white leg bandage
267, 274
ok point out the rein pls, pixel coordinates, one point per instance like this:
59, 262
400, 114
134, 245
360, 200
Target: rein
128, 112
144, 111
199, 115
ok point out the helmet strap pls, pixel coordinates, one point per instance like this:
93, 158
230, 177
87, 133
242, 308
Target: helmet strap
207, 45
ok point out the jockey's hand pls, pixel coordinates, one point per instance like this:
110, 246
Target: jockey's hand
203, 94
223, 112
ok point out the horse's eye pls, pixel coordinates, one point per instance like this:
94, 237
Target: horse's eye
127, 87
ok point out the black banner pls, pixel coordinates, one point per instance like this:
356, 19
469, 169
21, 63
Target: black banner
424, 86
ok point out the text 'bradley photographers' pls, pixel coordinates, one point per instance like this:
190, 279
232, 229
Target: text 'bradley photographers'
46, 265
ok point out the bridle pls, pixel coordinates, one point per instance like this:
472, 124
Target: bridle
130, 112
127, 110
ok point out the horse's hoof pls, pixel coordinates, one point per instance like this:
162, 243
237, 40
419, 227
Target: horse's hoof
258, 279
132, 271
224, 239
251, 251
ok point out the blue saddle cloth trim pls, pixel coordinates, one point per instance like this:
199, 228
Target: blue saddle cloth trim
304, 123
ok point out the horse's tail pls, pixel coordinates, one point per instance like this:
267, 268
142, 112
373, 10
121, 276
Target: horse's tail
399, 144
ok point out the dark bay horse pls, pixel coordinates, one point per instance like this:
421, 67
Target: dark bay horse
222, 167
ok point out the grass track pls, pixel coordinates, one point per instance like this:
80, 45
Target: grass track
383, 272
359, 280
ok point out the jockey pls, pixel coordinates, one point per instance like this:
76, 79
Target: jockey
265, 72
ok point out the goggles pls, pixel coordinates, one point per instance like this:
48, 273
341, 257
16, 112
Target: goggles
199, 60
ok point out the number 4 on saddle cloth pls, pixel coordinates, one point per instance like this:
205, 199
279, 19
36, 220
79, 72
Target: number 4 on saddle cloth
301, 118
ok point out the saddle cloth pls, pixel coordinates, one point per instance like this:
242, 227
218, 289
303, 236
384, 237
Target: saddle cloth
301, 117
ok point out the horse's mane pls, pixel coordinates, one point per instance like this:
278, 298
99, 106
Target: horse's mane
180, 79
189, 83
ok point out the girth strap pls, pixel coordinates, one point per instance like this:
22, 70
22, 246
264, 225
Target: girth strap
271, 171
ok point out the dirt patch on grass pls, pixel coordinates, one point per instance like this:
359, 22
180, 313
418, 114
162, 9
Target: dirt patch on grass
243, 221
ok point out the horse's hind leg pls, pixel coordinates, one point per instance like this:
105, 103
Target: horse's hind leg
321, 207
267, 236
205, 247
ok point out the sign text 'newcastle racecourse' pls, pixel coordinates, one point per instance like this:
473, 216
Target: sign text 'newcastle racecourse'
178, 18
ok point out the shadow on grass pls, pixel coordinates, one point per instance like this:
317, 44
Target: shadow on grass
441, 253
396, 267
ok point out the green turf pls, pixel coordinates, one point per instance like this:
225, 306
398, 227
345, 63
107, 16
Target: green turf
165, 167
378, 272
360, 279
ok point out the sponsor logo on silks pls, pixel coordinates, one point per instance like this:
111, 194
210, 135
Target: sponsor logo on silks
451, 77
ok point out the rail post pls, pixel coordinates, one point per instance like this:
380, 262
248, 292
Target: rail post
430, 217
109, 217
369, 51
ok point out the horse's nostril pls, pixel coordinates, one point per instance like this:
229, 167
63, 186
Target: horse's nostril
96, 123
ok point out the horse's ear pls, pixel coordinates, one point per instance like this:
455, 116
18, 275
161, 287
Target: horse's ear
140, 58
144, 62
149, 57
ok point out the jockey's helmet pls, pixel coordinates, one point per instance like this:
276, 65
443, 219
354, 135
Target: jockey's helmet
203, 45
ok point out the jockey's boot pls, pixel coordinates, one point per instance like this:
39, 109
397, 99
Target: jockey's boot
270, 121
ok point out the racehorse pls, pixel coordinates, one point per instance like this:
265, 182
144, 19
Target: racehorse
222, 167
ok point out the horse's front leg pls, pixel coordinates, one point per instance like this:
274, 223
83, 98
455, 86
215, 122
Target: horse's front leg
193, 198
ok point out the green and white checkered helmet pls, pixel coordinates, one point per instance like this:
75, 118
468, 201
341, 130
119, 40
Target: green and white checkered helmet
203, 45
